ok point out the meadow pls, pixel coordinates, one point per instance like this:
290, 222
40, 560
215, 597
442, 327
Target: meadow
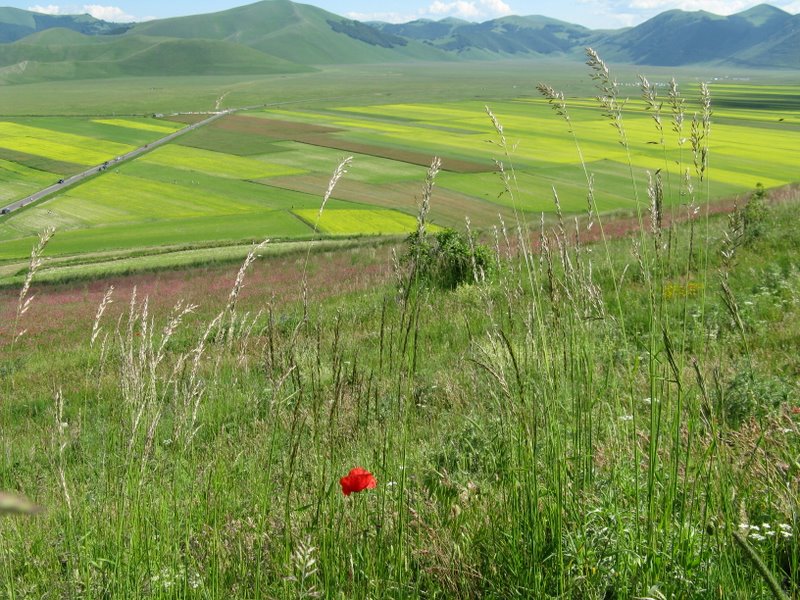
614, 419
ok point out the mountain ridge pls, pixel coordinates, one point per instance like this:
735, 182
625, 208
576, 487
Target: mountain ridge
281, 36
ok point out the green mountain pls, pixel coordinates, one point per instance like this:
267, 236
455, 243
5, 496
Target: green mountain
16, 24
64, 54
280, 36
504, 37
296, 32
763, 36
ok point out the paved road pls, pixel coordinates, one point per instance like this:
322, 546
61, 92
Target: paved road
111, 162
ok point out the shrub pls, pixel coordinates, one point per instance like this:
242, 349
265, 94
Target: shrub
750, 394
752, 217
447, 258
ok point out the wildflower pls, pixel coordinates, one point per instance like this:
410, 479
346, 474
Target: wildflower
757, 536
357, 480
626, 418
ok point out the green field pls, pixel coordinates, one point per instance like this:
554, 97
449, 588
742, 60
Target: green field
263, 172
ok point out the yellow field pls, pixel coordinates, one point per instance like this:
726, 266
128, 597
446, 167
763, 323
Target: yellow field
357, 222
54, 145
161, 127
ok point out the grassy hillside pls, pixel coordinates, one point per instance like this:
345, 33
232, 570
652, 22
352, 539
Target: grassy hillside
63, 54
280, 36
296, 32
678, 38
507, 36
16, 24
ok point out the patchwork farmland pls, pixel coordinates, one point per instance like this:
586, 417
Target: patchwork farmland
261, 173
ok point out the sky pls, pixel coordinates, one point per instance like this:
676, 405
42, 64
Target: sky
595, 14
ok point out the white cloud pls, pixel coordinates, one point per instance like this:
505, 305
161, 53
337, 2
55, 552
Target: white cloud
472, 10
98, 11
719, 7
50, 9
386, 17
497, 7
623, 13
459, 8
108, 13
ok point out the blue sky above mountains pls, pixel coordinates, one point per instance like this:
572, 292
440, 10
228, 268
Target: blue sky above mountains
595, 14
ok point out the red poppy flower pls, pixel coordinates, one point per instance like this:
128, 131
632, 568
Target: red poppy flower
357, 480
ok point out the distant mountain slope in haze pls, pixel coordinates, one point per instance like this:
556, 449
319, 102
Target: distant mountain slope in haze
63, 54
16, 24
296, 32
506, 36
678, 38
280, 36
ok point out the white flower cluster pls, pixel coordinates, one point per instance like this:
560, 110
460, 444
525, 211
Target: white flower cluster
765, 530
168, 578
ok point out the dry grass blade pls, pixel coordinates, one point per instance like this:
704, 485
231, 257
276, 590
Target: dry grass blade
427, 194
99, 315
239, 282
24, 301
338, 173
14, 505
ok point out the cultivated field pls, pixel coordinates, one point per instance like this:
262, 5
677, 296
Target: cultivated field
257, 174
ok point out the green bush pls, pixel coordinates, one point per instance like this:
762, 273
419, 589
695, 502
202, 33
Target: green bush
447, 258
750, 394
754, 215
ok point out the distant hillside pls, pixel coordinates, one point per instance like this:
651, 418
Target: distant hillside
504, 37
279, 36
296, 32
16, 24
763, 36
62, 54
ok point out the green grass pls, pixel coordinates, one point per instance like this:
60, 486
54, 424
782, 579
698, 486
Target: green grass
220, 228
216, 163
229, 142
583, 442
585, 420
18, 180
